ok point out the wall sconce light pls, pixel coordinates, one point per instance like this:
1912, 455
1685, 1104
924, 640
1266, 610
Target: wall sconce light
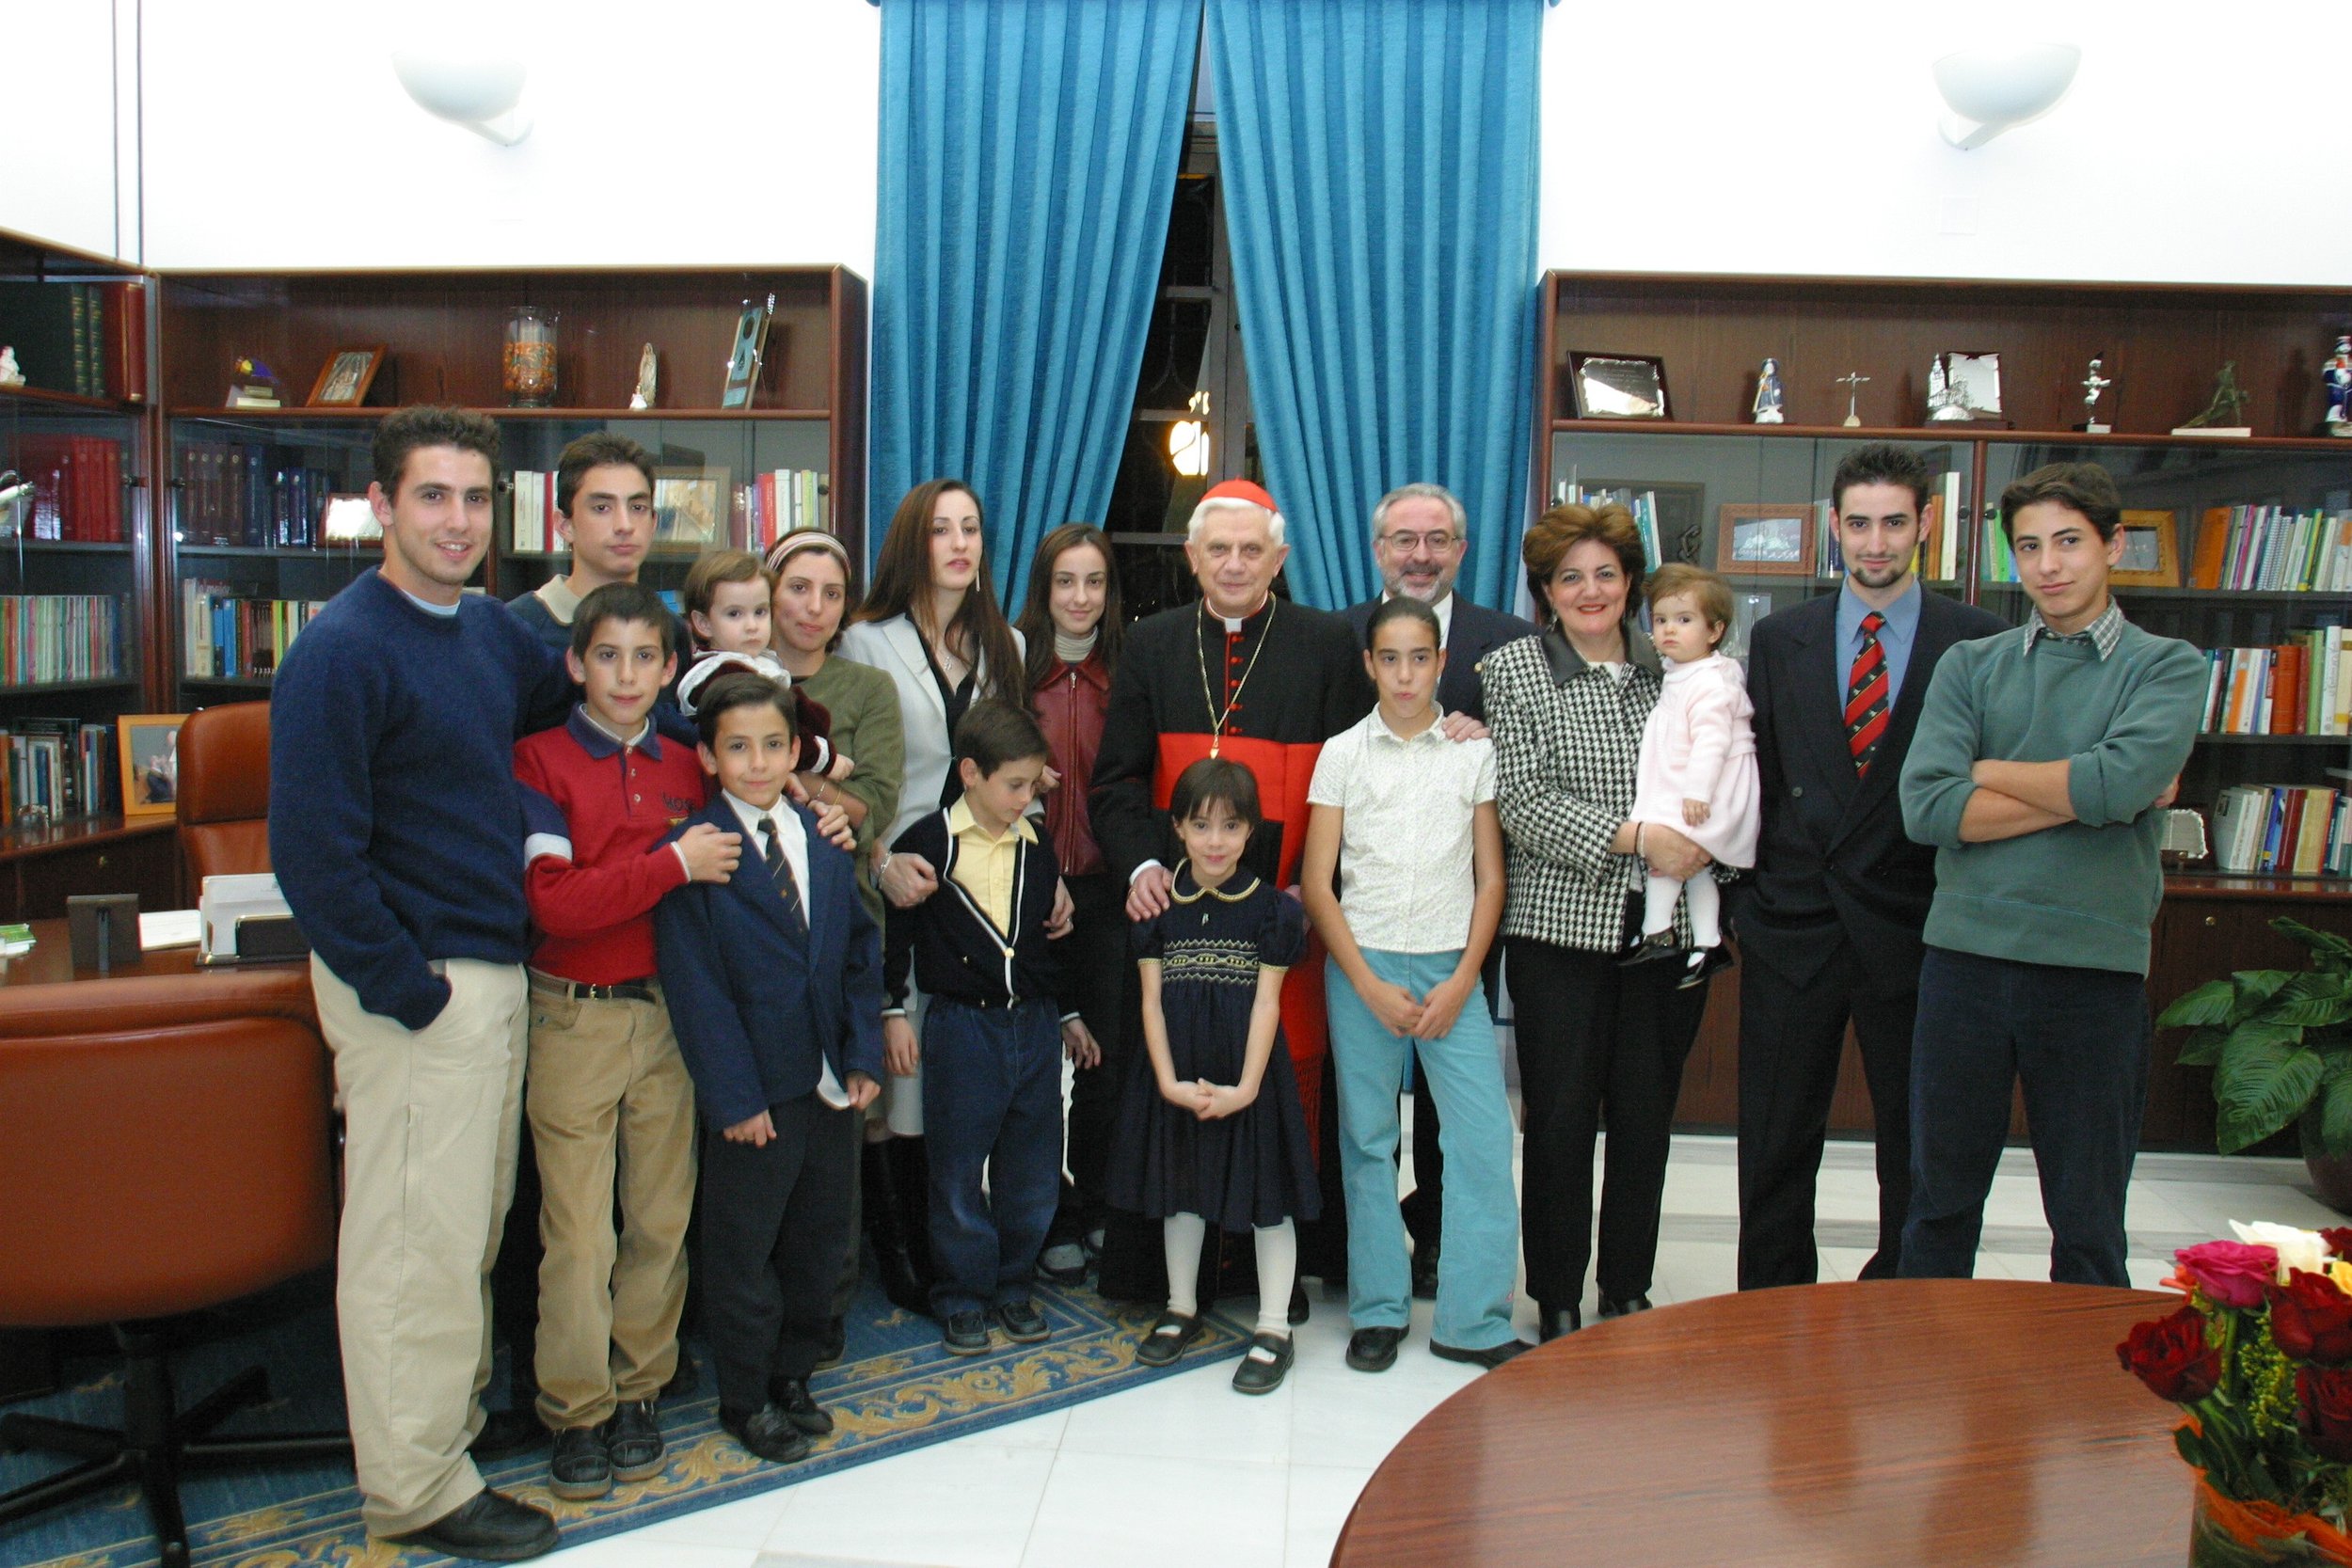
1188, 440
477, 88
1991, 89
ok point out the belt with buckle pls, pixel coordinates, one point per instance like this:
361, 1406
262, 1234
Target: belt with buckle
580, 991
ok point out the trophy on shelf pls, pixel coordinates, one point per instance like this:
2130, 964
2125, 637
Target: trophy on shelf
2336, 377
647, 368
10, 374
1852, 381
2225, 414
254, 385
1767, 406
2092, 384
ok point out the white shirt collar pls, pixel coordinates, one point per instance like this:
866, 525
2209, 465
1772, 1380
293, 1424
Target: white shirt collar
645, 728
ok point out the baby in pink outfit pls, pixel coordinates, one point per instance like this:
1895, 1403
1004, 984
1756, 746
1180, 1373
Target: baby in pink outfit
1696, 775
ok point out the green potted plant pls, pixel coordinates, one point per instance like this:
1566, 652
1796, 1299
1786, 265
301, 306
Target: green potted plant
2280, 1049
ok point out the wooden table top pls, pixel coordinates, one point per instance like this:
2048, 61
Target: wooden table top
1897, 1421
41, 992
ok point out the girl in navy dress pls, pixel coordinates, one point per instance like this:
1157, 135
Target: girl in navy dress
1214, 1133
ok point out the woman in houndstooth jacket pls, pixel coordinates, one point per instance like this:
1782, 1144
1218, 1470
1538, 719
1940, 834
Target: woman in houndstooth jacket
1567, 708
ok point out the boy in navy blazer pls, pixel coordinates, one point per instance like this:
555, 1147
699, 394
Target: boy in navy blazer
774, 985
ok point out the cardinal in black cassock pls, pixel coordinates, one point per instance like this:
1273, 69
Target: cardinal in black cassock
1265, 687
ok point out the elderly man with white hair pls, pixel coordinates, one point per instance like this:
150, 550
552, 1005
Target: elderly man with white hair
1265, 682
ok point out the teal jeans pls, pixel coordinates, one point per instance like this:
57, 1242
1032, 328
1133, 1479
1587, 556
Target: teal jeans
1479, 1256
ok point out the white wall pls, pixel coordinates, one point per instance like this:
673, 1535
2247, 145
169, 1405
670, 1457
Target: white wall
2199, 143
708, 132
58, 104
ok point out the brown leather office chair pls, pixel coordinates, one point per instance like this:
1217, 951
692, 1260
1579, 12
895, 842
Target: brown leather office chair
224, 791
165, 1149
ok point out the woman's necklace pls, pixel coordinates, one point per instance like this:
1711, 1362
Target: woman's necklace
1216, 719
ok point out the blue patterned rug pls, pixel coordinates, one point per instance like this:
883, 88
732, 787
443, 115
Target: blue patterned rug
894, 1391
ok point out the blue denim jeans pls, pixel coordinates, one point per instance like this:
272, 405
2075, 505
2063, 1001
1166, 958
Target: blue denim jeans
2076, 1041
1480, 1244
992, 1100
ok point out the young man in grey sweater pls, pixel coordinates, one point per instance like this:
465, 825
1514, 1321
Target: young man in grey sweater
2041, 761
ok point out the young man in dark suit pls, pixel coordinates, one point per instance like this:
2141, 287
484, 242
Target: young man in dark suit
773, 980
1419, 534
1830, 925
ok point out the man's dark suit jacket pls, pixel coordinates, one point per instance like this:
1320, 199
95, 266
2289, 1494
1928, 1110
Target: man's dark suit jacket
1833, 851
754, 999
1475, 632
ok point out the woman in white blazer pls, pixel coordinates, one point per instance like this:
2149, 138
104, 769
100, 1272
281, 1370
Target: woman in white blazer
932, 624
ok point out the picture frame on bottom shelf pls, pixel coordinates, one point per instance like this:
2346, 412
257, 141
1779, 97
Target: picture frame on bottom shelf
1770, 539
2152, 550
151, 763
690, 507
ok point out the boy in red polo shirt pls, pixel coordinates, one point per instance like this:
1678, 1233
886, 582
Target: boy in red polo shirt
608, 1094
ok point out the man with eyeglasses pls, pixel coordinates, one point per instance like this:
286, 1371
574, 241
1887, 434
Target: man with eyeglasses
1419, 534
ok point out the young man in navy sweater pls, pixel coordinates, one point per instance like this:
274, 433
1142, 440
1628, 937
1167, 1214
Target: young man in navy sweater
992, 1078
397, 836
604, 512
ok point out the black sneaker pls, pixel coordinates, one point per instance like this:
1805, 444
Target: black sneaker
1167, 1338
1491, 1358
581, 1468
488, 1527
1264, 1365
964, 1334
1023, 1324
634, 1440
1372, 1350
791, 1396
769, 1434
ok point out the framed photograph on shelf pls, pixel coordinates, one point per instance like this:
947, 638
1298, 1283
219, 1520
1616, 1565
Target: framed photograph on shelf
747, 359
151, 763
348, 519
344, 379
1771, 540
2151, 551
690, 507
1618, 386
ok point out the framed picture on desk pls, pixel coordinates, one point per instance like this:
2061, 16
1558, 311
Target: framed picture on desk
151, 764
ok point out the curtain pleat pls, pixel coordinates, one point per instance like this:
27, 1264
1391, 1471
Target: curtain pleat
1028, 159
1380, 178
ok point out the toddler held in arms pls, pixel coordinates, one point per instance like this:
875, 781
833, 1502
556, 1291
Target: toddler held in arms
1696, 774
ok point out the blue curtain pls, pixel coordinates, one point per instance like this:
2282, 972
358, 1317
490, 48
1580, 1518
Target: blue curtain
1029, 160
1379, 163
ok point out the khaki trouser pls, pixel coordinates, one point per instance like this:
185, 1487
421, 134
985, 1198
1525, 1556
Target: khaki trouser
608, 1097
431, 1125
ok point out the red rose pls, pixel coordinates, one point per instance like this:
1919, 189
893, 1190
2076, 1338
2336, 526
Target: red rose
2327, 1413
2339, 1238
2171, 1357
2311, 1319
2231, 1274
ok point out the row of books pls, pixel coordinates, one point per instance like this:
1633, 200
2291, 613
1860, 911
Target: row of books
2282, 830
88, 338
2271, 547
58, 768
770, 505
1642, 503
60, 637
782, 501
251, 494
77, 487
230, 635
2300, 687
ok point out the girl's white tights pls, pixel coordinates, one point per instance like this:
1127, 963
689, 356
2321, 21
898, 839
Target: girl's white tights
1181, 1238
1657, 907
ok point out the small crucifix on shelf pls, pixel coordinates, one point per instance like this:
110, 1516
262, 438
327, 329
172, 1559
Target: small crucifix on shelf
1852, 381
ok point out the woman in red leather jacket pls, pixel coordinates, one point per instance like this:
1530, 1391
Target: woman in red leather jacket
1073, 625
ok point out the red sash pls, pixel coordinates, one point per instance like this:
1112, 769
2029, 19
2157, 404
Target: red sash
1283, 771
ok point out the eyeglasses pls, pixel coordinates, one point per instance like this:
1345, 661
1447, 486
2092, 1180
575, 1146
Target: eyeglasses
1406, 544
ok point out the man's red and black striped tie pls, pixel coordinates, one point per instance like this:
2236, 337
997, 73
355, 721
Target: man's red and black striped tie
1866, 695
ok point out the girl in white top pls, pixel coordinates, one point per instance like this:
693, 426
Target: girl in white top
1407, 820
1696, 774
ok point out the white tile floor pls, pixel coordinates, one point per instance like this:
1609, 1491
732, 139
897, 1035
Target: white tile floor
1185, 1472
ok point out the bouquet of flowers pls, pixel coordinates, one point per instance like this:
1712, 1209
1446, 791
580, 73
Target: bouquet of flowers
2260, 1355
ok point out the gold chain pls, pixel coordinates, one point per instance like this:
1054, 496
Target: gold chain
1217, 720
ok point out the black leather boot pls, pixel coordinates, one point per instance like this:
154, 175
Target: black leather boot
908, 1291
